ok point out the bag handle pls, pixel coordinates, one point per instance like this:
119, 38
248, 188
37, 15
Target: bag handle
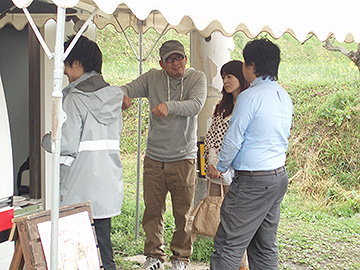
221, 188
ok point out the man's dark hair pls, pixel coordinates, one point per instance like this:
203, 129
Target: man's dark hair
86, 52
265, 55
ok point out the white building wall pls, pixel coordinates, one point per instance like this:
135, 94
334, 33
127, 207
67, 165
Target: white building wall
208, 55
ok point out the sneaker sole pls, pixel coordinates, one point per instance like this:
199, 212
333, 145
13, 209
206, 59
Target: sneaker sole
161, 268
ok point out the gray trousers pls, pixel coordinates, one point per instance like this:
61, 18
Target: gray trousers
250, 216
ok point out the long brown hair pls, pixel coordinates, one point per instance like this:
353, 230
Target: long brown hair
226, 104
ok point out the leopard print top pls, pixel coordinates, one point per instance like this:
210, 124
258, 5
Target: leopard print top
215, 135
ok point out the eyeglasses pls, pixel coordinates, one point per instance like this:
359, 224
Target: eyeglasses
170, 60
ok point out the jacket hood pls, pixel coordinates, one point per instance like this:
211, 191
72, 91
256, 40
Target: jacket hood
102, 100
173, 82
186, 73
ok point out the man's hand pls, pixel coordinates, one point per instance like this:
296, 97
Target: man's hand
212, 172
228, 176
126, 102
160, 110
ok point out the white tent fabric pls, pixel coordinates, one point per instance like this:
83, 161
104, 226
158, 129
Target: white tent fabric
22, 3
299, 18
228, 16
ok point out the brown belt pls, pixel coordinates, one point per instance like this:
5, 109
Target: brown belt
260, 173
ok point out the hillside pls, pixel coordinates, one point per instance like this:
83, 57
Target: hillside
320, 226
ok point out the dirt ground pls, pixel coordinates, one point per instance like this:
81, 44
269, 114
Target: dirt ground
192, 266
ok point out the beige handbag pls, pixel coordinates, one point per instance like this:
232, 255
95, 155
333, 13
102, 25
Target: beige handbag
205, 217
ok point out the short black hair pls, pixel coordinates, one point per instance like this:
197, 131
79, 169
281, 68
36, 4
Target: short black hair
86, 52
265, 55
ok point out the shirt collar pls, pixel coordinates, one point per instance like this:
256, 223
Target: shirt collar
260, 79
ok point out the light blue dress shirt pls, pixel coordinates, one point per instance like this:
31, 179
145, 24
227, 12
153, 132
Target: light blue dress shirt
257, 138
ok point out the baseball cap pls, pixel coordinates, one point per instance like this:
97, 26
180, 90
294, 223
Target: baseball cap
169, 47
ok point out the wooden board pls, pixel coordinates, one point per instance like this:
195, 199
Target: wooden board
29, 249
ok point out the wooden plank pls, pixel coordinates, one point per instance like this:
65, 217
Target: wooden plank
24, 240
43, 217
34, 116
13, 236
97, 244
29, 250
46, 214
33, 230
37, 251
17, 261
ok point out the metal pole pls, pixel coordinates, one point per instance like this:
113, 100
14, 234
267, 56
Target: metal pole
79, 33
126, 37
141, 23
141, 59
156, 42
37, 33
58, 118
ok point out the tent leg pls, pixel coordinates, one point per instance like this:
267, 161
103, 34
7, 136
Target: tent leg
139, 134
79, 33
58, 118
141, 60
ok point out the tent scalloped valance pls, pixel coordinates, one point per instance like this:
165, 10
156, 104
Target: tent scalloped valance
299, 18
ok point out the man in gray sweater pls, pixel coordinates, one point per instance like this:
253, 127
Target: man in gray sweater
176, 96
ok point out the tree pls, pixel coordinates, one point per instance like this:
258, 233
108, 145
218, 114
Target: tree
354, 56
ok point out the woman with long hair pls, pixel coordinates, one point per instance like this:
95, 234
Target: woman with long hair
233, 84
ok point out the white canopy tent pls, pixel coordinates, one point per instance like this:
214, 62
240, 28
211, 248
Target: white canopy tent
299, 18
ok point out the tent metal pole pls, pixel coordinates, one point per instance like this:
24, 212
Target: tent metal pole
79, 33
127, 39
157, 41
37, 33
58, 118
6, 11
141, 60
141, 23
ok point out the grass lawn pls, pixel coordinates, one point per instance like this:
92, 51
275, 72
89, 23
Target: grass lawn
320, 222
309, 237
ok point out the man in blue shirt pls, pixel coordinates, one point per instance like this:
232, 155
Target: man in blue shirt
255, 147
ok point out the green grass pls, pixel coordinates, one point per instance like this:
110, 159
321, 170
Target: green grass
319, 228
309, 237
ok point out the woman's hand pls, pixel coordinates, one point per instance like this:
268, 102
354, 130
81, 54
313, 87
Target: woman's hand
212, 172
